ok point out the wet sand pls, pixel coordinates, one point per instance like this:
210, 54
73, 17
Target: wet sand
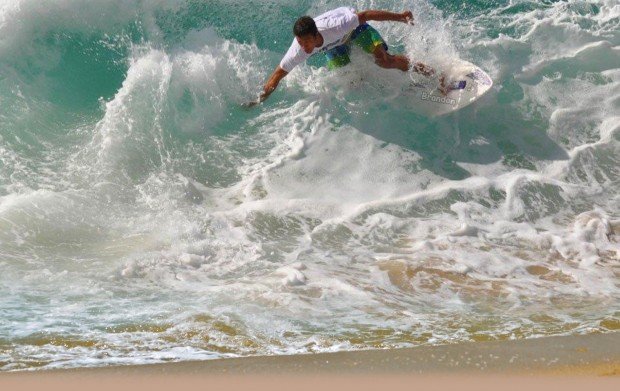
588, 362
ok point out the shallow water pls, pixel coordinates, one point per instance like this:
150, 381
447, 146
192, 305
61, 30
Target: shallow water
146, 217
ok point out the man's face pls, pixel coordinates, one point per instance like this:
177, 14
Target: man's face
308, 42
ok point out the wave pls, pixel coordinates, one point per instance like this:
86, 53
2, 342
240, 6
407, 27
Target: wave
142, 209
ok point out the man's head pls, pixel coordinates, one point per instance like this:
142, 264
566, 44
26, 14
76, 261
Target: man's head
307, 34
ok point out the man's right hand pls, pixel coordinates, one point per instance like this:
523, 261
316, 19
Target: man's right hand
270, 87
249, 105
260, 99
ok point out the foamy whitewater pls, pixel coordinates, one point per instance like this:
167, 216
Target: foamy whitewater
146, 217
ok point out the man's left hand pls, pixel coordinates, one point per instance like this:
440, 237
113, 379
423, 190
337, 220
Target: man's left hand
407, 17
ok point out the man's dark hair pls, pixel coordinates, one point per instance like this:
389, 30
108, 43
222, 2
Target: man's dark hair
305, 26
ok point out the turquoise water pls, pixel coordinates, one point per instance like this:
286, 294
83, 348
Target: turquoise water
146, 217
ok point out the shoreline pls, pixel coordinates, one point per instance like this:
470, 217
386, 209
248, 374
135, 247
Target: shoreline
569, 361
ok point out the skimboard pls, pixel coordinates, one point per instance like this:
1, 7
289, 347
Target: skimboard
466, 83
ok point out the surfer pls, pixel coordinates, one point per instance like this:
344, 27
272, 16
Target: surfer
332, 34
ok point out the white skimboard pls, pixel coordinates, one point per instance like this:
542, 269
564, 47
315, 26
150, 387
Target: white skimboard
467, 83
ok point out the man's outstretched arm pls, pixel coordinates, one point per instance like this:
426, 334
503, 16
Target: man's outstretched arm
366, 16
272, 83
270, 86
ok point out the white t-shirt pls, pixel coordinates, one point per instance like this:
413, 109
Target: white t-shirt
335, 27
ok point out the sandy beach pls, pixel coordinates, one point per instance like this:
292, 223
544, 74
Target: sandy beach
571, 362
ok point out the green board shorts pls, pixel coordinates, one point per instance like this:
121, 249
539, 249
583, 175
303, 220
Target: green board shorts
364, 36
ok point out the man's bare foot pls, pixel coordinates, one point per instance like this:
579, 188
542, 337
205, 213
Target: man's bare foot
423, 69
443, 87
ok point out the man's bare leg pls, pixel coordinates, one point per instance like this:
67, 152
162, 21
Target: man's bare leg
390, 61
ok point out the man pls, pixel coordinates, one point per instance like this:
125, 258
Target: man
332, 33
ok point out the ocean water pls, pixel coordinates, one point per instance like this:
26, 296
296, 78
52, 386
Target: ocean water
146, 217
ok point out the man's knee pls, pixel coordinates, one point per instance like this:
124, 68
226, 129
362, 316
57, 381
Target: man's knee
382, 58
